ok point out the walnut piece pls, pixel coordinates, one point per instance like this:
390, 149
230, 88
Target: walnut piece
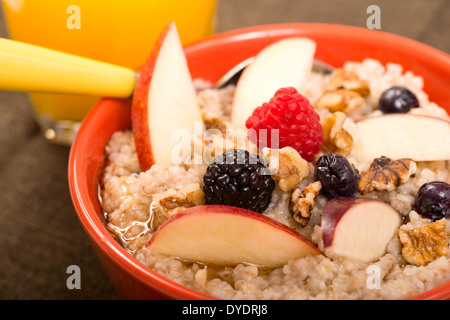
335, 137
213, 121
385, 174
340, 100
424, 244
302, 203
172, 201
349, 80
287, 166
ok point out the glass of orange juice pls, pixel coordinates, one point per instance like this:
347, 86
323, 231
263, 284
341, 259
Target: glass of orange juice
118, 32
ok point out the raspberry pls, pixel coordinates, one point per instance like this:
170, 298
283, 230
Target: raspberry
297, 122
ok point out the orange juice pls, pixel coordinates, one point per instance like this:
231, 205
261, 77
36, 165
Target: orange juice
118, 32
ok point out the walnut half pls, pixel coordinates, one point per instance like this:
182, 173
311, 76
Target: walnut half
302, 203
340, 100
349, 80
287, 166
386, 174
173, 201
335, 137
424, 244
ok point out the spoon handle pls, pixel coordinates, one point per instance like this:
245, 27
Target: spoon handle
25, 67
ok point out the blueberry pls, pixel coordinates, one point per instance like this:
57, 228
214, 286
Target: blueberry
397, 100
433, 200
338, 177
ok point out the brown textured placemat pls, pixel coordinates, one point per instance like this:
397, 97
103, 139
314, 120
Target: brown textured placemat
40, 235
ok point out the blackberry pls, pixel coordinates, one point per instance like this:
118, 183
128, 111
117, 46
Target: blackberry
236, 178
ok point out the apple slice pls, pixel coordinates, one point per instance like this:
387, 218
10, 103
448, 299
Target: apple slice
225, 235
397, 136
287, 62
358, 228
164, 101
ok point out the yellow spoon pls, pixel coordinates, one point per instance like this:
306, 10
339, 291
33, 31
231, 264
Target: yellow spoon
29, 68
25, 67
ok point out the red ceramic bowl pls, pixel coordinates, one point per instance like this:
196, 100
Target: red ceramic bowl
210, 59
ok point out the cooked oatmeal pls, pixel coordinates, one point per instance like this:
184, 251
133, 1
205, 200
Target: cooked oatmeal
128, 202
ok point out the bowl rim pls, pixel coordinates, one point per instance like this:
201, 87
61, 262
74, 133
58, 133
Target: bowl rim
86, 210
291, 29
